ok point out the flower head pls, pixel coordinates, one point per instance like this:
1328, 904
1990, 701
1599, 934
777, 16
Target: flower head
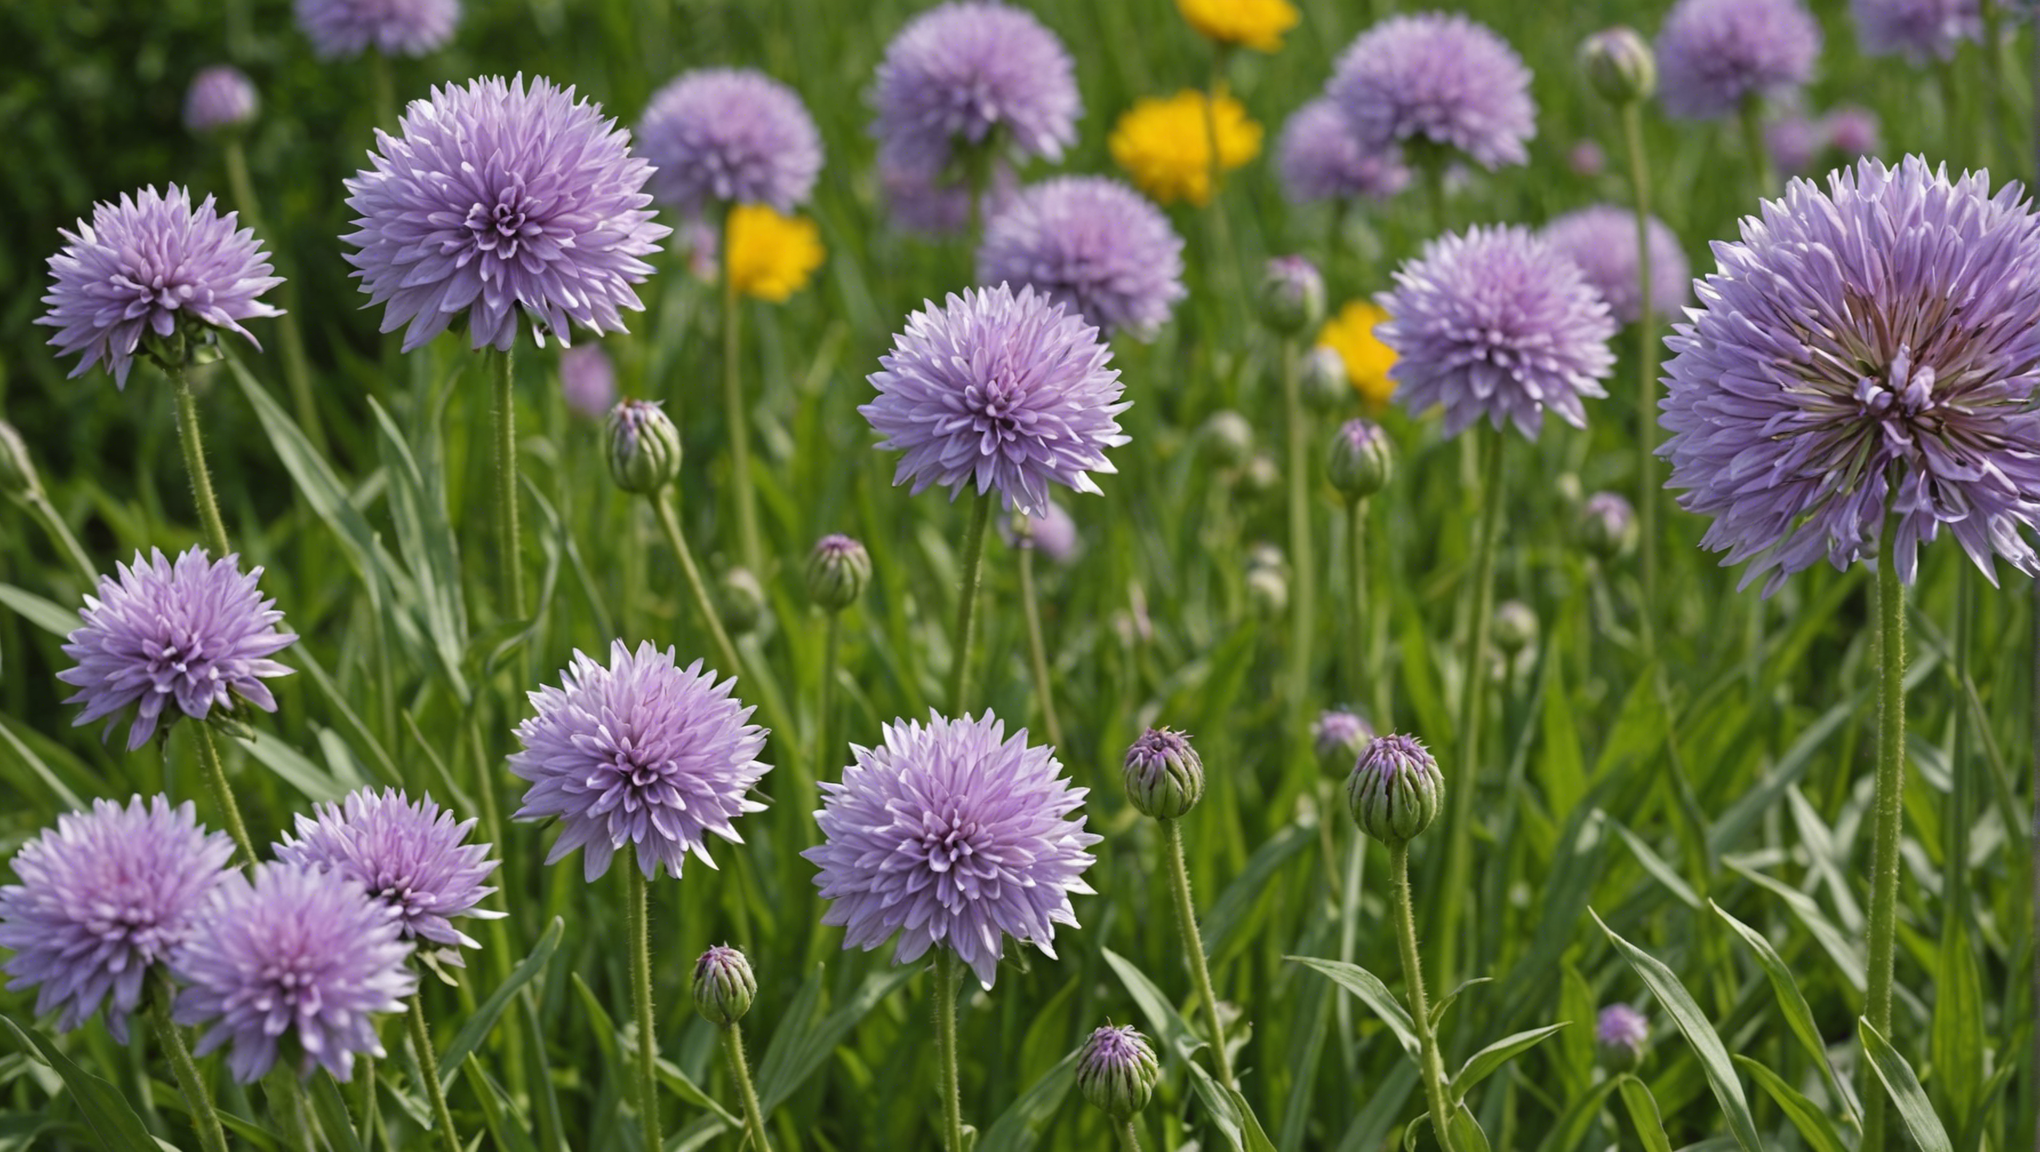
772, 256
499, 199
1495, 322
104, 897
1619, 64
178, 639
409, 856
1165, 143
343, 28
219, 97
1117, 1070
149, 269
1256, 24
1320, 158
1163, 774
837, 571
1585, 158
723, 985
1340, 736
588, 380
301, 953
1864, 351
1369, 361
1442, 80
1621, 1033
964, 72
951, 834
1092, 245
1715, 54
1602, 241
1395, 790
642, 753
1000, 390
1919, 30
722, 136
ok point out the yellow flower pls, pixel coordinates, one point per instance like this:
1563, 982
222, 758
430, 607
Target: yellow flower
1351, 335
1165, 145
771, 256
1256, 24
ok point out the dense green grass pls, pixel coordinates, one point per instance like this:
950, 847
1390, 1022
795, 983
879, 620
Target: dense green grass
1746, 784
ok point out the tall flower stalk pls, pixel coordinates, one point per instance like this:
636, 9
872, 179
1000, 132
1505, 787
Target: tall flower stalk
509, 537
189, 438
1480, 601
641, 1002
973, 558
948, 979
1886, 816
204, 1119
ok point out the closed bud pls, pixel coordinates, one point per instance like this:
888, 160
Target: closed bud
18, 476
1326, 386
1164, 777
741, 601
1515, 626
644, 447
723, 985
1292, 295
837, 571
1362, 459
1268, 592
1261, 476
1621, 1034
1607, 526
1619, 64
1227, 438
1117, 1070
1340, 736
1395, 790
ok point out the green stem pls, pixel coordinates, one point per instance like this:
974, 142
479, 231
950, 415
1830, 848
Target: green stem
1129, 1136
223, 795
1221, 226
733, 665
947, 969
1646, 377
966, 605
1303, 613
736, 410
1431, 165
2033, 830
641, 999
296, 370
370, 1110
1961, 797
1360, 676
1037, 649
1753, 143
825, 715
385, 91
45, 513
293, 1114
1887, 815
507, 534
428, 1070
194, 467
1193, 947
1420, 1008
740, 1071
211, 1137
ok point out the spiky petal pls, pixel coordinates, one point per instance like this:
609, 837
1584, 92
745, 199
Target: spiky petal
1093, 245
723, 136
960, 72
1440, 80
1715, 54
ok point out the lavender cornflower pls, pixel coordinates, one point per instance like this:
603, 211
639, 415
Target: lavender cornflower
547, 217
148, 269
409, 856
1495, 322
588, 381
344, 28
219, 97
642, 753
1864, 352
299, 952
1092, 245
1920, 30
1620, 1035
1440, 80
962, 72
1715, 54
1340, 736
1602, 241
1320, 158
722, 136
104, 897
1001, 390
950, 834
174, 640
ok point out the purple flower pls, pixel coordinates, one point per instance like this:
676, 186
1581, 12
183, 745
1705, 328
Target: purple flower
219, 97
640, 753
1117, 1070
1092, 245
1440, 79
1864, 351
1919, 30
1003, 390
936, 203
952, 834
1794, 140
1340, 736
1715, 54
721, 136
1497, 323
409, 856
341, 28
499, 199
1602, 241
103, 898
1320, 159
150, 268
963, 71
588, 380
1621, 1033
1852, 129
1585, 158
300, 952
183, 639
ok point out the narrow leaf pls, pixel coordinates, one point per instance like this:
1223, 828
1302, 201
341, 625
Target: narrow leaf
1904, 1088
1483, 1063
1643, 1113
1020, 1127
112, 1120
1813, 1123
1798, 1017
477, 1027
1373, 993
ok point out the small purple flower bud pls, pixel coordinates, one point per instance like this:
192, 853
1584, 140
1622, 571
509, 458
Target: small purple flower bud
1853, 130
1515, 626
1620, 1036
1362, 460
1340, 736
1117, 1070
837, 571
1326, 386
1227, 438
1620, 65
1292, 296
723, 986
220, 97
1606, 526
1395, 790
644, 447
1164, 776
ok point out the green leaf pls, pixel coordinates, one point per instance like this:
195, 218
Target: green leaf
45, 614
476, 1027
808, 1043
1956, 1043
1572, 1125
1446, 1001
1656, 865
112, 1120
1643, 1113
331, 1110
1373, 993
1904, 1088
1798, 1017
1812, 1122
1385, 1099
499, 1112
1224, 918
1843, 949
1020, 1126
680, 1084
1483, 1063
43, 773
1563, 769
1179, 1040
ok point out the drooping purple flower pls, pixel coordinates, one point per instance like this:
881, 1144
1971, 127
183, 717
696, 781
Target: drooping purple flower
104, 897
1320, 158
1495, 322
642, 752
409, 856
1715, 54
1865, 351
343, 28
152, 267
1438, 79
219, 97
1602, 241
299, 953
174, 640
963, 71
950, 834
1852, 130
1001, 391
721, 136
588, 380
1919, 30
499, 199
1092, 245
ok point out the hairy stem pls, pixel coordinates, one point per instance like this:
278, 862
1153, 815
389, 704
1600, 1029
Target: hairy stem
508, 537
947, 977
189, 438
1420, 1008
1302, 558
223, 795
211, 1137
641, 999
733, 664
1129, 1136
740, 1071
966, 605
737, 411
1037, 648
1646, 377
1887, 816
428, 1070
1193, 947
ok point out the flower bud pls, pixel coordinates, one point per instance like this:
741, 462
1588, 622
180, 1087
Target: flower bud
1261, 476
1268, 592
1607, 526
1340, 736
1292, 296
18, 476
644, 447
1322, 375
1117, 1070
1164, 777
1395, 790
837, 571
219, 98
1620, 1036
740, 600
1619, 64
1227, 438
1362, 459
723, 985
1515, 626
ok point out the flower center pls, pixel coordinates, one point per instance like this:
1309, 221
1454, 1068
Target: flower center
998, 406
505, 226
949, 846
180, 659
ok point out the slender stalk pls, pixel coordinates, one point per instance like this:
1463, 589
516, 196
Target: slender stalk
428, 1070
1753, 144
1360, 676
740, 1071
1303, 561
735, 408
1420, 1008
508, 537
825, 716
1646, 377
223, 795
53, 525
293, 1114
370, 1110
733, 665
947, 970
194, 467
977, 168
296, 370
641, 999
1961, 795
2033, 832
211, 1137
1887, 814
1193, 946
385, 91
1129, 1136
1037, 649
966, 605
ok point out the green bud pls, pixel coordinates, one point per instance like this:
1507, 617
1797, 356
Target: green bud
837, 571
18, 476
1395, 790
723, 986
1261, 476
740, 600
644, 447
1292, 296
1607, 526
1325, 385
1164, 776
1117, 1070
1227, 438
1362, 459
1620, 65
1515, 626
